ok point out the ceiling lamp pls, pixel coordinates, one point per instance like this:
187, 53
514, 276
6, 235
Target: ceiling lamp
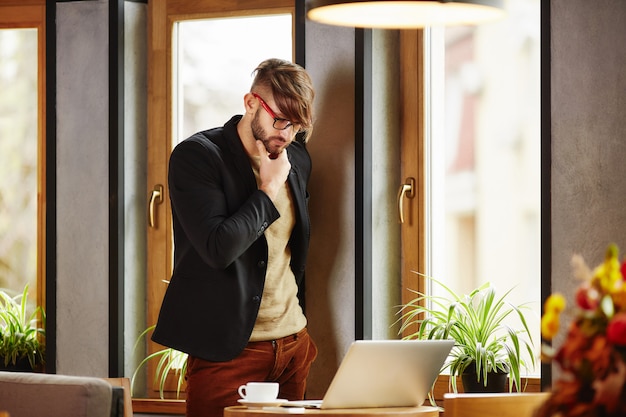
403, 14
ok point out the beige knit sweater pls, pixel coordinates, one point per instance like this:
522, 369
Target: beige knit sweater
280, 313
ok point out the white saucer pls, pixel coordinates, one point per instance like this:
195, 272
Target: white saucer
261, 404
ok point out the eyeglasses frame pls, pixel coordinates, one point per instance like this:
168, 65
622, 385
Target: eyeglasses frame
273, 115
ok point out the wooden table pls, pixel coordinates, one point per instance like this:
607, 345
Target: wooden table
242, 411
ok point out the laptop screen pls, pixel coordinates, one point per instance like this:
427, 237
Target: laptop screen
385, 373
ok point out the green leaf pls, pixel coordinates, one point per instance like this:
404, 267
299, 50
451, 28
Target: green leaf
476, 322
20, 334
170, 360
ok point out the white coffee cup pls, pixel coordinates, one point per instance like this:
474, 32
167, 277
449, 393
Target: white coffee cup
259, 391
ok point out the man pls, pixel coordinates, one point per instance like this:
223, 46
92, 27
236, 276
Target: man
241, 237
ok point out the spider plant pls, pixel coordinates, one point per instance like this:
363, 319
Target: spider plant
21, 338
477, 324
169, 360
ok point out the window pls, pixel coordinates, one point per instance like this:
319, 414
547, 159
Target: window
485, 183
190, 90
207, 95
22, 190
478, 163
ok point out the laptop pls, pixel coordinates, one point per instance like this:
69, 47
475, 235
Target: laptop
383, 373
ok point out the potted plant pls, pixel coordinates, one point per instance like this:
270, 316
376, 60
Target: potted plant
170, 361
22, 341
484, 344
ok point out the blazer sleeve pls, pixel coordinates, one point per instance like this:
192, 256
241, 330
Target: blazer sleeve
216, 202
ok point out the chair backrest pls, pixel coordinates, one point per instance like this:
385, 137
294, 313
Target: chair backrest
28, 394
492, 405
125, 384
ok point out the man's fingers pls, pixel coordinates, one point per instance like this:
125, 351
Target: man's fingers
261, 148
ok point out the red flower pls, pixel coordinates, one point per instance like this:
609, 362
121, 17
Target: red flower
587, 297
616, 330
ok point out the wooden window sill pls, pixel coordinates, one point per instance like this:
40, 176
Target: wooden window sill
442, 384
158, 406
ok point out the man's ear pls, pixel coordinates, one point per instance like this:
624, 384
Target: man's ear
250, 103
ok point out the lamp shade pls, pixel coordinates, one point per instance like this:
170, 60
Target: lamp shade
403, 14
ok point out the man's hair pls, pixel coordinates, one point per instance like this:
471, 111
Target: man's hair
292, 89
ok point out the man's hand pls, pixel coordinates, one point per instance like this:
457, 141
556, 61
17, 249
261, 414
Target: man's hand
273, 172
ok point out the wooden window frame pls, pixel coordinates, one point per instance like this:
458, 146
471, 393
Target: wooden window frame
162, 16
412, 163
23, 14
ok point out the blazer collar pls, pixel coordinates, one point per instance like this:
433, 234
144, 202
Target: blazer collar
242, 161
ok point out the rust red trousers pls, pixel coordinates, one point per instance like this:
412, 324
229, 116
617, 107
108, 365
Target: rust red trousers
211, 386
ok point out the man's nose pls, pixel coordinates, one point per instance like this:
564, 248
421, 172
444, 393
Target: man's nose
287, 134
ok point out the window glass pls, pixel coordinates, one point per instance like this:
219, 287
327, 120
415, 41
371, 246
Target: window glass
215, 65
18, 159
484, 185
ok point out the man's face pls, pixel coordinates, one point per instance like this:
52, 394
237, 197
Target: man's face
275, 140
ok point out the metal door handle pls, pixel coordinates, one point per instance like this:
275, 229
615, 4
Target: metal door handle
155, 198
407, 189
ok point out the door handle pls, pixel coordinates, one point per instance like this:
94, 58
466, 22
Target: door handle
406, 190
156, 197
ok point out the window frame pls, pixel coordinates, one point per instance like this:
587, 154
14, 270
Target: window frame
162, 17
414, 164
21, 15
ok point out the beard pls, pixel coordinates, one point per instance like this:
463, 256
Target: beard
273, 144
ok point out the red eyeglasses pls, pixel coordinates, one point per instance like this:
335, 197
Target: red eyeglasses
279, 123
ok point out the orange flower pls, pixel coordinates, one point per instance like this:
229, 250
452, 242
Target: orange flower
550, 324
608, 276
619, 297
550, 321
555, 303
608, 391
570, 356
599, 356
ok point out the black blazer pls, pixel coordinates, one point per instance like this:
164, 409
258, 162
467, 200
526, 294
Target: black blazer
220, 252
